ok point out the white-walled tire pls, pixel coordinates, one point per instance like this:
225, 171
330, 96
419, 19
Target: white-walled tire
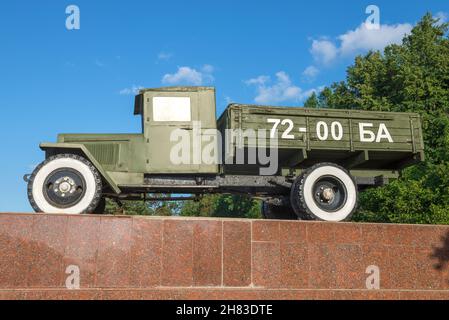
325, 192
65, 183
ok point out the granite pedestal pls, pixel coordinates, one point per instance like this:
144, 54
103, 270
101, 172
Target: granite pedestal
116, 257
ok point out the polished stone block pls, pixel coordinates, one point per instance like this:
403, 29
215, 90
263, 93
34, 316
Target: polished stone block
237, 252
146, 253
266, 264
207, 253
177, 253
294, 271
221, 294
114, 252
83, 251
15, 248
48, 242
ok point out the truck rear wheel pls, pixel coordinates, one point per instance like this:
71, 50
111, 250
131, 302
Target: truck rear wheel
65, 183
270, 211
325, 192
101, 207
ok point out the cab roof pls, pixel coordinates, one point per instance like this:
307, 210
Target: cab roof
138, 104
176, 89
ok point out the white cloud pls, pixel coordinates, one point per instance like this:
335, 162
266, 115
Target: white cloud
310, 72
164, 56
130, 91
324, 51
281, 90
364, 39
188, 75
228, 99
260, 80
359, 40
442, 16
208, 69
309, 92
99, 63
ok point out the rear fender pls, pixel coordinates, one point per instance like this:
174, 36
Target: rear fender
56, 148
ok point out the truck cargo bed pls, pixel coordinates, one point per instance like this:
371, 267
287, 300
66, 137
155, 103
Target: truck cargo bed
352, 138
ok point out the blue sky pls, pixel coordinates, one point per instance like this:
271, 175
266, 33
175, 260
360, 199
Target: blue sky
54, 80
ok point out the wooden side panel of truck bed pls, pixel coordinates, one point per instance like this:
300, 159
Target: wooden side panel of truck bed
384, 140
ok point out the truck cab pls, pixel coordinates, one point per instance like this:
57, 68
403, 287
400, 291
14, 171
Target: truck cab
175, 113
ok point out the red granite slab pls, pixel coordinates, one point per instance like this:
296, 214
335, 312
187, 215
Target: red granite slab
293, 232
146, 252
378, 256
428, 273
236, 253
59, 294
177, 253
266, 264
347, 233
222, 294
402, 267
81, 250
322, 261
320, 232
265, 230
399, 235
114, 252
374, 234
365, 295
6, 295
424, 295
350, 271
295, 269
16, 250
48, 243
207, 253
431, 237
124, 294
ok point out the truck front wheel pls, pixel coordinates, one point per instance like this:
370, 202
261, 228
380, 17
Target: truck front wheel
325, 192
65, 183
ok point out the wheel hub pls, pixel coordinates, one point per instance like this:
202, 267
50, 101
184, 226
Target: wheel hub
328, 194
64, 187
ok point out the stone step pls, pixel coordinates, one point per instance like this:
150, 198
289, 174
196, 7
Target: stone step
220, 294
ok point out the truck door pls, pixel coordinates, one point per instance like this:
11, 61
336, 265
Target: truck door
171, 114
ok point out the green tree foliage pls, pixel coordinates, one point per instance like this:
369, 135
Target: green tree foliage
410, 77
226, 206
141, 208
211, 205
312, 101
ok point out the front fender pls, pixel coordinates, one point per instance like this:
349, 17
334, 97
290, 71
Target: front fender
54, 148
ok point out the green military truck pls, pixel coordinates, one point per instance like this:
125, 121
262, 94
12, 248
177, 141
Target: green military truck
302, 163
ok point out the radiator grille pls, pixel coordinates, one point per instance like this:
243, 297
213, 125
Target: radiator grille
104, 153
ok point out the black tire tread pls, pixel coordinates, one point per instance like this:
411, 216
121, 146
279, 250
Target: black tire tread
272, 212
101, 207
